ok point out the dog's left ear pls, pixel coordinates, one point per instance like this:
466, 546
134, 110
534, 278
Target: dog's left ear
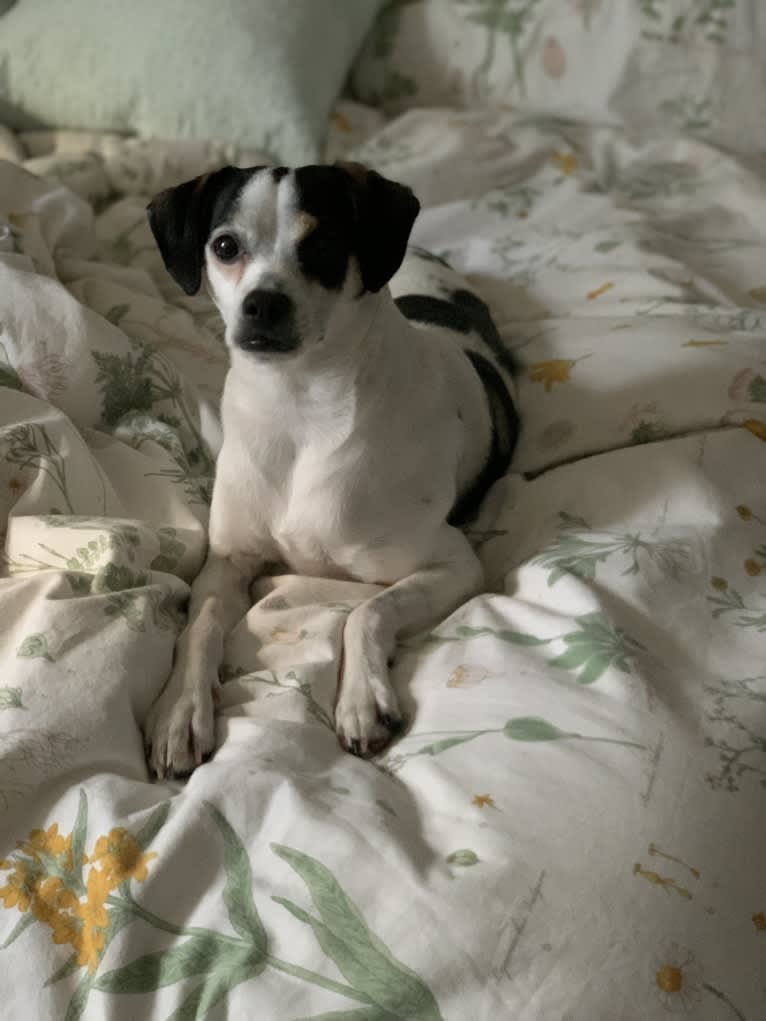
385, 212
181, 219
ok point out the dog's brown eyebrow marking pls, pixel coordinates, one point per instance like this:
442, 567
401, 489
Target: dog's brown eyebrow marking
304, 224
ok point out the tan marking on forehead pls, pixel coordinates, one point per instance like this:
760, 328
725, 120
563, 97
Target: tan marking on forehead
304, 224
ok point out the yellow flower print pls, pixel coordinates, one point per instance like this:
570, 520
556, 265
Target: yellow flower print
43, 878
49, 842
483, 801
719, 584
19, 886
592, 295
705, 343
756, 428
566, 162
283, 636
341, 122
52, 897
120, 858
677, 980
663, 881
555, 370
89, 942
748, 514
466, 676
752, 567
759, 921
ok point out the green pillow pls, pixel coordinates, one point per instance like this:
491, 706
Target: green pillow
258, 73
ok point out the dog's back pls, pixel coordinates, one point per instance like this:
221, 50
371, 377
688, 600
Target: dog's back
430, 293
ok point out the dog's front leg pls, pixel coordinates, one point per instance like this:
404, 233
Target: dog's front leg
180, 727
367, 713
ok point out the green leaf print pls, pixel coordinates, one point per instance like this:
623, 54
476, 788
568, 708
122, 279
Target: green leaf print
578, 550
79, 836
115, 578
388, 27
66, 969
201, 953
359, 1014
153, 825
171, 551
10, 378
464, 857
364, 960
591, 649
126, 383
23, 923
238, 890
532, 728
386, 989
117, 313
131, 386
10, 698
507, 17
239, 968
596, 646
30, 447
526, 729
757, 390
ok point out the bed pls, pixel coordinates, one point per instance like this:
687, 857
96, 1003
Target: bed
573, 825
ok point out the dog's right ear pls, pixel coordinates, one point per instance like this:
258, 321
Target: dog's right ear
181, 219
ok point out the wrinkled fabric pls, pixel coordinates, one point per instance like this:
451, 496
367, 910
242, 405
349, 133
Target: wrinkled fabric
572, 826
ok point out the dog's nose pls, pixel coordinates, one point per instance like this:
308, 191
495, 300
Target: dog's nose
266, 310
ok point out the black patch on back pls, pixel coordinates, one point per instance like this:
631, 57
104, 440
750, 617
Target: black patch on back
324, 253
505, 431
278, 173
461, 311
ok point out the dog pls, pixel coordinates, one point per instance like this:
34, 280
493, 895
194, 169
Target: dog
359, 432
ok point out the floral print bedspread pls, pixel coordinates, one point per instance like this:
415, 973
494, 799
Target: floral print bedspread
572, 828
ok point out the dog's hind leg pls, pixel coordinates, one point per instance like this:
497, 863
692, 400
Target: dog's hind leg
367, 713
180, 726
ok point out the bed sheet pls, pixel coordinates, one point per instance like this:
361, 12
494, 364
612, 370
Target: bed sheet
572, 828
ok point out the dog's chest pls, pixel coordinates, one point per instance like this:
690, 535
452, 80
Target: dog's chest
293, 501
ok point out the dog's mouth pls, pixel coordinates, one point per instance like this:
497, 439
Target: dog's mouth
263, 342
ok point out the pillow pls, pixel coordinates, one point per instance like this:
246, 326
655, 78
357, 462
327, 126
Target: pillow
678, 65
235, 71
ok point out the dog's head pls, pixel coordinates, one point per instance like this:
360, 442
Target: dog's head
285, 250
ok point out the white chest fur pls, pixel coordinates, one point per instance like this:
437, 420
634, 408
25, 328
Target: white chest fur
345, 464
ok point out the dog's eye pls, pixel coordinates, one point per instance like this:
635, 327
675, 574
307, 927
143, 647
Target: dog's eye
226, 247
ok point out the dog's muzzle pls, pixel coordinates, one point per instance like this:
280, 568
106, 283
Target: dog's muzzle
267, 323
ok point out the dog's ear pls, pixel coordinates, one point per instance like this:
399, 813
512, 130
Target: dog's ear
181, 219
385, 212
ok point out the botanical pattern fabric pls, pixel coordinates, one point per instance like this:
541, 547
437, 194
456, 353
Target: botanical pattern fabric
659, 65
572, 826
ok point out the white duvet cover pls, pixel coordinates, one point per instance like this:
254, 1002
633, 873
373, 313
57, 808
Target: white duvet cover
573, 827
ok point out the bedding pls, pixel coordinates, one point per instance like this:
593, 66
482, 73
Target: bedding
654, 66
572, 828
242, 72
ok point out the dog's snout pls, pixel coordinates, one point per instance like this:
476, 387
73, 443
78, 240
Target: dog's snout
266, 310
267, 322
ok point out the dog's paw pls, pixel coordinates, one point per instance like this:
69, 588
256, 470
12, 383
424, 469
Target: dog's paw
180, 729
367, 717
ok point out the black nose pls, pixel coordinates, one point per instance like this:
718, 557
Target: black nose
266, 310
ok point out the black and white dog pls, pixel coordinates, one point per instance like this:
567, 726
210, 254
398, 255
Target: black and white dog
360, 431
